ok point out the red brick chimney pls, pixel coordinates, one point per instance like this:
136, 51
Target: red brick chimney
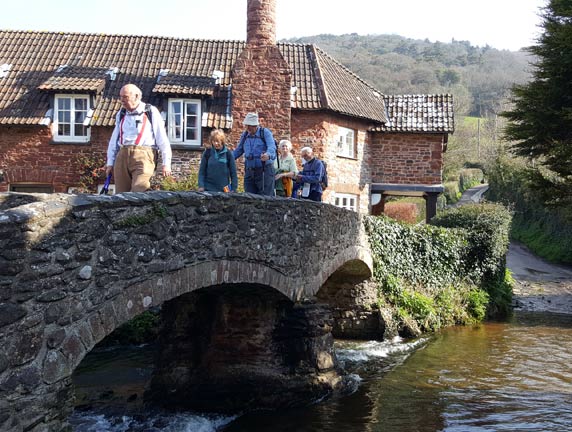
261, 78
261, 22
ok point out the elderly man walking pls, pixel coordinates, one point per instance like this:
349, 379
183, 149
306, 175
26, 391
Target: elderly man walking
309, 180
132, 151
259, 149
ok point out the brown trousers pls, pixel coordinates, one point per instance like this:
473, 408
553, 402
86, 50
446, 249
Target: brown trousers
133, 169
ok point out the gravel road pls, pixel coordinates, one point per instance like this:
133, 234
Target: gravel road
540, 286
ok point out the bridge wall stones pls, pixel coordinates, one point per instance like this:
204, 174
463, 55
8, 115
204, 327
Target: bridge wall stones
74, 268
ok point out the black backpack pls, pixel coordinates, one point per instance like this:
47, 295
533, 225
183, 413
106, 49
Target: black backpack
324, 181
123, 111
148, 113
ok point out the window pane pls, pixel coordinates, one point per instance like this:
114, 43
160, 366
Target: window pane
80, 130
192, 108
191, 135
178, 127
175, 121
79, 117
64, 103
64, 116
64, 129
81, 104
191, 121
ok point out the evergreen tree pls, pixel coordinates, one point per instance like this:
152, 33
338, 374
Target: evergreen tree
540, 123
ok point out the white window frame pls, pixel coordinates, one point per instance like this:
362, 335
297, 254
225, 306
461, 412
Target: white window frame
177, 122
347, 201
346, 143
76, 118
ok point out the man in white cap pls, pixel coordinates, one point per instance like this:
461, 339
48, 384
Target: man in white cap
259, 149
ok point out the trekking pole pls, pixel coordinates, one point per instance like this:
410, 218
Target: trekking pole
263, 174
105, 189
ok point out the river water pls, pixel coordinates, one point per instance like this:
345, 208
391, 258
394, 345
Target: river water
496, 376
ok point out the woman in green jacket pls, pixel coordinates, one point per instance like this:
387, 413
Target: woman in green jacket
286, 170
217, 171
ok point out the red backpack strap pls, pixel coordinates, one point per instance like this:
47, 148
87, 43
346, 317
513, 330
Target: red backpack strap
141, 131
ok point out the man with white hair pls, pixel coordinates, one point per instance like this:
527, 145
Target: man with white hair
309, 180
259, 149
132, 151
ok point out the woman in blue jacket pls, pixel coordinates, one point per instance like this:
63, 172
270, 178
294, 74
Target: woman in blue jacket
217, 172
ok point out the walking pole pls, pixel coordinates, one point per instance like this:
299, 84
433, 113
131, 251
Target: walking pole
263, 173
105, 188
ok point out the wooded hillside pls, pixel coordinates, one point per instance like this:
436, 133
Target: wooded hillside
478, 77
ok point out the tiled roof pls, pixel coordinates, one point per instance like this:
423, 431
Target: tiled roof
346, 93
419, 114
187, 67
75, 79
184, 84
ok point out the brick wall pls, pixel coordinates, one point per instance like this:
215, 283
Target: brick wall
28, 156
407, 158
345, 175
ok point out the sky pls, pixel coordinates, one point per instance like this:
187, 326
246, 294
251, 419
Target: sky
502, 24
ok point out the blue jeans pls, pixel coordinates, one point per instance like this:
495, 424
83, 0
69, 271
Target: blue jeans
260, 180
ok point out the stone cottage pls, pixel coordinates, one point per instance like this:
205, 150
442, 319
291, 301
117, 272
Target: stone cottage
59, 93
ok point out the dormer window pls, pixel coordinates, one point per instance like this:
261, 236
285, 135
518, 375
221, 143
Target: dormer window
184, 122
70, 112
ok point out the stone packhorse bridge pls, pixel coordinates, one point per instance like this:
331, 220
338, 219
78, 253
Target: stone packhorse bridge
235, 275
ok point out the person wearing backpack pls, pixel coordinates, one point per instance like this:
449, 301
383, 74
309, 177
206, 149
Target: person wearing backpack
259, 149
309, 180
217, 171
132, 151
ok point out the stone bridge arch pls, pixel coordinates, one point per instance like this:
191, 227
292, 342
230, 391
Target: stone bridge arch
74, 268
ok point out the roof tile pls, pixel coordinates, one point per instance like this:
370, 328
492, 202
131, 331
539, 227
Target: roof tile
419, 114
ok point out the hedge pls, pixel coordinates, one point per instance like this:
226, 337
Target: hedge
449, 272
487, 228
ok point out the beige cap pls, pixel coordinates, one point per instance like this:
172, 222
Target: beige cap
251, 119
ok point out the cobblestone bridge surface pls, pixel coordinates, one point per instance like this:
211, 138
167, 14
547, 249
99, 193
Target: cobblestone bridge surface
74, 268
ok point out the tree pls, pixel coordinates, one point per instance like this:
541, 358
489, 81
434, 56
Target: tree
540, 122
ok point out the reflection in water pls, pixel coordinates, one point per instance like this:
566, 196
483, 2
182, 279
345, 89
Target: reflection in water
493, 377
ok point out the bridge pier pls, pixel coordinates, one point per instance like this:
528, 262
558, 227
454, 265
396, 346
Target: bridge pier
245, 347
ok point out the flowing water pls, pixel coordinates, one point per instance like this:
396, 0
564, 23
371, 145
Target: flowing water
509, 376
